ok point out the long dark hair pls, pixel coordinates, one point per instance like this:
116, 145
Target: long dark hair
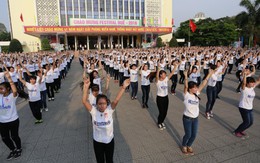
191, 85
21, 93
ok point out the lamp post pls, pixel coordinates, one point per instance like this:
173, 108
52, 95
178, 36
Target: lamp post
239, 30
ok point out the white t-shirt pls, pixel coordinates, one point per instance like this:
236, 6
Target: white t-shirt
43, 84
92, 100
56, 73
14, 76
182, 65
2, 77
49, 76
247, 98
144, 74
191, 103
98, 82
193, 77
103, 130
8, 112
34, 92
162, 87
212, 80
133, 75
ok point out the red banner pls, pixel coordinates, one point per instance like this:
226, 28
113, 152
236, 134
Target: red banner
84, 29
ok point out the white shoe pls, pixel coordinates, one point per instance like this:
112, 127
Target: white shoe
41, 110
46, 109
163, 126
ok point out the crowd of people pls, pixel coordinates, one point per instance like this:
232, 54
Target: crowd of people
32, 76
194, 68
38, 76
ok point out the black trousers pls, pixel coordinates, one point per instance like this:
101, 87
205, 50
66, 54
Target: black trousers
145, 91
116, 73
36, 109
174, 79
206, 72
219, 87
50, 89
104, 152
121, 78
162, 104
181, 81
11, 128
230, 67
56, 84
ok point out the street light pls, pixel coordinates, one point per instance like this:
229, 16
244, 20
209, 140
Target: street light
239, 30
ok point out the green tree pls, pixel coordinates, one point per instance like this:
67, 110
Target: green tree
5, 36
15, 46
249, 20
173, 42
159, 42
45, 44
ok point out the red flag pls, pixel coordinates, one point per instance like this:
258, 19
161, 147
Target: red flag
192, 26
21, 17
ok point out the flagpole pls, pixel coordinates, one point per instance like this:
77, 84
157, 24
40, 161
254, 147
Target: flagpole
189, 38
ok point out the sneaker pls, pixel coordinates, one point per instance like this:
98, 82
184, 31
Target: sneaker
52, 98
163, 125
49, 99
41, 110
207, 115
135, 97
18, 153
36, 122
132, 98
40, 121
190, 150
244, 134
46, 109
239, 135
160, 126
143, 106
11, 155
146, 106
184, 150
211, 114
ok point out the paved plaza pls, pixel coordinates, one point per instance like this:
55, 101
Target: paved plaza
66, 134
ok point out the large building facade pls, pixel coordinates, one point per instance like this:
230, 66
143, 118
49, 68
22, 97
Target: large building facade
90, 24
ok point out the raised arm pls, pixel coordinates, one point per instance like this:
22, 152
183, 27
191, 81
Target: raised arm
20, 78
205, 81
13, 87
157, 74
175, 67
243, 86
120, 93
185, 82
85, 101
107, 85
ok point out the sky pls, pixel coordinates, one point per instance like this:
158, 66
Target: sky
182, 9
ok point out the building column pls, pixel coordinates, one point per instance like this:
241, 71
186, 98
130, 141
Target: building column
145, 38
132, 44
57, 38
111, 42
87, 42
99, 42
122, 42
118, 41
151, 37
128, 40
76, 42
66, 42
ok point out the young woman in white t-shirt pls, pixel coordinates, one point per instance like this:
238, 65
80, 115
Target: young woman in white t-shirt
191, 112
34, 92
134, 80
102, 121
162, 99
9, 120
145, 85
246, 104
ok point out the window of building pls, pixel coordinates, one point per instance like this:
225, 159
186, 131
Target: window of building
126, 9
142, 8
115, 9
108, 9
69, 10
96, 10
89, 9
76, 9
120, 5
102, 9
82, 8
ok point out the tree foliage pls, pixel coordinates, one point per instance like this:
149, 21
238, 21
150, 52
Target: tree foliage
220, 32
45, 44
173, 42
5, 36
159, 42
15, 46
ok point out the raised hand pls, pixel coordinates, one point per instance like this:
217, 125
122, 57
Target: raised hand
126, 83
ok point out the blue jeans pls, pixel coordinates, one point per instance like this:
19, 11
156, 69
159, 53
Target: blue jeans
211, 95
247, 116
134, 86
190, 129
